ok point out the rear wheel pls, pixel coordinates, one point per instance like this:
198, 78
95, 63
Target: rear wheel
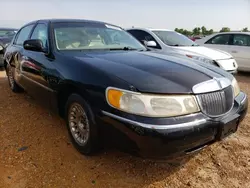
12, 83
81, 127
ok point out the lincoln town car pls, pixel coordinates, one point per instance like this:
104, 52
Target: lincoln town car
107, 85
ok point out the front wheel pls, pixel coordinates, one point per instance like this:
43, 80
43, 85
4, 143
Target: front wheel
12, 83
81, 127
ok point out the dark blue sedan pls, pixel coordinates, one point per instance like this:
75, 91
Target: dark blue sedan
109, 86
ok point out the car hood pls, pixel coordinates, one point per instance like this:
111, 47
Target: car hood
205, 52
151, 72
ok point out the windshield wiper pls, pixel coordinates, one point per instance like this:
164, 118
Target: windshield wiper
184, 45
126, 48
176, 45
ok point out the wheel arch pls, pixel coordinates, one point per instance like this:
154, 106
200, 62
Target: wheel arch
65, 90
5, 64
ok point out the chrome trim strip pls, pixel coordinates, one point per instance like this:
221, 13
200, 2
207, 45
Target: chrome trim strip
244, 99
157, 127
37, 83
212, 85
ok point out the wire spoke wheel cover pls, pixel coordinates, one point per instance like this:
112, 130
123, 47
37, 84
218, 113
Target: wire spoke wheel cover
78, 124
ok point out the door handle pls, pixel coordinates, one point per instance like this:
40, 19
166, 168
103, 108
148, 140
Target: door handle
234, 51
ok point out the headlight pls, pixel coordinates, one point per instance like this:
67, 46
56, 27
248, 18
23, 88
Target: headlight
236, 87
202, 59
1, 48
151, 105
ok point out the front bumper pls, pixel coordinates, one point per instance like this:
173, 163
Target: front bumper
234, 72
163, 137
229, 65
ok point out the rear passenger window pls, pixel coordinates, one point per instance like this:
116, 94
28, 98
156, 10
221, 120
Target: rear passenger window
241, 40
23, 34
220, 39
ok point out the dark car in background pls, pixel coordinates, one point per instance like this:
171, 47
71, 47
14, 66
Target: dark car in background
6, 35
107, 85
7, 32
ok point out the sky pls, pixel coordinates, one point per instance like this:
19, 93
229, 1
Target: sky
168, 14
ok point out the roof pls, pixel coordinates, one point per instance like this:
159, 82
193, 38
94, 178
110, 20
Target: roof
150, 29
72, 20
7, 28
233, 32
160, 30
155, 29
55, 20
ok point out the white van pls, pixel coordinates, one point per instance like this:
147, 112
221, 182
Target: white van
170, 42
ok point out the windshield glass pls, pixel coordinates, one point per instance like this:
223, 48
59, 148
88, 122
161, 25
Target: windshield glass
5, 33
173, 38
93, 36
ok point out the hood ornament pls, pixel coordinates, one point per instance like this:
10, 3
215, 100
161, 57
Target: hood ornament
212, 85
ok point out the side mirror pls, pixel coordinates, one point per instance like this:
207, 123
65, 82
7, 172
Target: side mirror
150, 43
33, 45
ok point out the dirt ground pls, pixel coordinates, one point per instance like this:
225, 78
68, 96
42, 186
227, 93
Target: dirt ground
35, 152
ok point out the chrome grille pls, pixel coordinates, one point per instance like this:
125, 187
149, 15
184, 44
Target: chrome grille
216, 103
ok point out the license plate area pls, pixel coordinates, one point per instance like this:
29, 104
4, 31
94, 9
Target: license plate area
227, 128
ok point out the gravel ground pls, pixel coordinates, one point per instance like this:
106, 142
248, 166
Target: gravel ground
35, 152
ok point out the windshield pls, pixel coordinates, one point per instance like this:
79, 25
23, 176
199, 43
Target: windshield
173, 38
93, 36
6, 33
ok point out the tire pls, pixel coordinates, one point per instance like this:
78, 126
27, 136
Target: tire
12, 83
81, 126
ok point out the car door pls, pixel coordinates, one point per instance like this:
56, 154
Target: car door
38, 69
142, 36
240, 49
15, 55
221, 42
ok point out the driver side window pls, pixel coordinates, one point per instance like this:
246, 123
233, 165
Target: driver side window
223, 39
40, 32
23, 35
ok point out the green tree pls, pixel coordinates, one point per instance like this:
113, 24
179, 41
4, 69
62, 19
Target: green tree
187, 33
245, 29
204, 30
197, 31
180, 30
210, 32
225, 29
